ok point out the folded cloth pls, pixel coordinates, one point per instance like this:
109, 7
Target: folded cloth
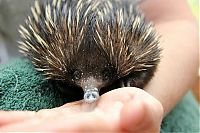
23, 88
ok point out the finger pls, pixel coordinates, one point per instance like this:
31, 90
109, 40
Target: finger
53, 120
8, 117
72, 104
95, 121
144, 113
121, 95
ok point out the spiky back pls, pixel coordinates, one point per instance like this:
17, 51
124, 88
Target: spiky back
126, 37
54, 32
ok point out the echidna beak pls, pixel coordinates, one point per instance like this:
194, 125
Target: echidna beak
91, 95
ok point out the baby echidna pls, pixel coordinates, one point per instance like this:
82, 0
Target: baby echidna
95, 45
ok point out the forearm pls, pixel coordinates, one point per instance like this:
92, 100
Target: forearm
178, 69
166, 10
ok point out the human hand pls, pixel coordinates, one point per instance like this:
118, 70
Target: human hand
126, 109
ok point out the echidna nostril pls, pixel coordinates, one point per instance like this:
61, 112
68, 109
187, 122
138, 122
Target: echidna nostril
91, 96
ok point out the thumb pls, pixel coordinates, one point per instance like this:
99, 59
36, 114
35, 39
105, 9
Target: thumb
142, 114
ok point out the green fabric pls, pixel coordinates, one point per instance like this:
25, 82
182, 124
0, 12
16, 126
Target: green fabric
23, 88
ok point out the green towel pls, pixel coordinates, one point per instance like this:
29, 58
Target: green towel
23, 88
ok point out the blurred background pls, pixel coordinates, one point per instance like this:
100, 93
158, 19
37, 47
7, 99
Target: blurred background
13, 13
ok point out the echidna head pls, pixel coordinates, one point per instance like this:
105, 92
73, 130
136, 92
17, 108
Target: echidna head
91, 70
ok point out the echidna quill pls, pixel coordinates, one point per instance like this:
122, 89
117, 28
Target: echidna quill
90, 46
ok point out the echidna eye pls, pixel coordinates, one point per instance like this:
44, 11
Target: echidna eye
105, 76
108, 73
77, 74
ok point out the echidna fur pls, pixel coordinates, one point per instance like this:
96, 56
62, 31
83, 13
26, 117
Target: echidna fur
104, 44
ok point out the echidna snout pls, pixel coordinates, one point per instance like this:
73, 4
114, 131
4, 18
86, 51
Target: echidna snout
91, 95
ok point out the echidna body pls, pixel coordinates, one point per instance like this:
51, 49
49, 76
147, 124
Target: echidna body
96, 45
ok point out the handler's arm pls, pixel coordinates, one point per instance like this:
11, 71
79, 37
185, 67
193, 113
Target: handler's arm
178, 69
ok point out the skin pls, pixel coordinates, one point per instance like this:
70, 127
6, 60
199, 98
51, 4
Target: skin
115, 107
179, 31
130, 109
